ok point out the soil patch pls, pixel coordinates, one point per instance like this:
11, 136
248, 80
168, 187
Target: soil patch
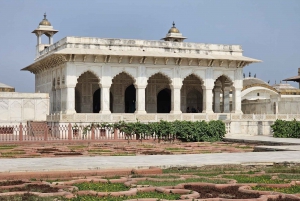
230, 192
42, 188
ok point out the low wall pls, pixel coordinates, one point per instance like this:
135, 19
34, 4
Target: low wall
236, 124
22, 107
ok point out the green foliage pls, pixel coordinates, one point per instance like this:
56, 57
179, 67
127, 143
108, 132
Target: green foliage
286, 129
102, 187
289, 190
139, 195
263, 179
188, 131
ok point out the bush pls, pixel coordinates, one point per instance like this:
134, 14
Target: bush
187, 131
286, 129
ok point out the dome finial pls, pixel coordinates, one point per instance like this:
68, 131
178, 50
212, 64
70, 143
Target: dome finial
173, 24
45, 15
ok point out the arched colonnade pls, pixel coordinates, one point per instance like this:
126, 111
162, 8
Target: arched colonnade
158, 96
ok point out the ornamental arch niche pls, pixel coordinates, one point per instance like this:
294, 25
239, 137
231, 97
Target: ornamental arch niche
158, 92
86, 94
222, 92
123, 91
192, 94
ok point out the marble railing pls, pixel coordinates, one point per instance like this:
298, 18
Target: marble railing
154, 117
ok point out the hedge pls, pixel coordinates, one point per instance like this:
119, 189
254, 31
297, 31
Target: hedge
188, 131
286, 129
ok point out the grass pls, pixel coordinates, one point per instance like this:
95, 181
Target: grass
28, 197
3, 147
176, 182
289, 176
123, 154
139, 195
283, 169
77, 147
12, 153
289, 190
175, 149
265, 179
157, 176
112, 177
102, 187
99, 151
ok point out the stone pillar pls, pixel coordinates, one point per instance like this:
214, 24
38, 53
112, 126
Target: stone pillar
68, 100
51, 39
140, 99
233, 101
175, 99
58, 99
105, 84
207, 99
237, 103
217, 105
226, 99
105, 100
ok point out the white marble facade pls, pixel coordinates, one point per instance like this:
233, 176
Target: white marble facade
96, 75
22, 107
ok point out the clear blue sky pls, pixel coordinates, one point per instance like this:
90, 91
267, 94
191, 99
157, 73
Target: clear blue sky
267, 30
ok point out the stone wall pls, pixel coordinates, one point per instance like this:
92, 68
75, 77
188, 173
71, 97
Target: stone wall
23, 107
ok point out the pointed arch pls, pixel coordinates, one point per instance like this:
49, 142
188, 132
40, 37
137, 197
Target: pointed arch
222, 93
88, 72
120, 83
156, 82
162, 73
125, 72
87, 84
192, 102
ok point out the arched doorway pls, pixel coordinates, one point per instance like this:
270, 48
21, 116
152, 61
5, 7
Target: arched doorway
194, 101
96, 101
87, 85
164, 101
156, 84
130, 99
222, 94
120, 84
191, 94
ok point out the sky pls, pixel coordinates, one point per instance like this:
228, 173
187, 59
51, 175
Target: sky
266, 30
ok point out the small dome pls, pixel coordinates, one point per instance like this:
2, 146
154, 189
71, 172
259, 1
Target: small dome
45, 22
174, 29
253, 81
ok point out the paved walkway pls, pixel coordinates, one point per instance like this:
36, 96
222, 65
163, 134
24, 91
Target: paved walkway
265, 139
164, 161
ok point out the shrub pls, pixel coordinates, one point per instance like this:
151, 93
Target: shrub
286, 129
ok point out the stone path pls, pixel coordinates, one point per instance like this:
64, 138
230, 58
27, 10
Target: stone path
142, 161
265, 139
145, 161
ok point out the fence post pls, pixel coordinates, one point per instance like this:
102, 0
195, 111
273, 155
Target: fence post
46, 132
93, 133
70, 131
21, 132
116, 132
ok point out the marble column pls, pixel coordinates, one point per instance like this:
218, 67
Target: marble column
175, 99
207, 100
237, 105
226, 99
105, 100
140, 99
58, 99
53, 108
68, 100
217, 105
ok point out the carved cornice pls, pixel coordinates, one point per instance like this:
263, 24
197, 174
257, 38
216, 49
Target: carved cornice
47, 63
55, 60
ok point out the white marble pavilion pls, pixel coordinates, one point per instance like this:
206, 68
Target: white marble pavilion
99, 75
